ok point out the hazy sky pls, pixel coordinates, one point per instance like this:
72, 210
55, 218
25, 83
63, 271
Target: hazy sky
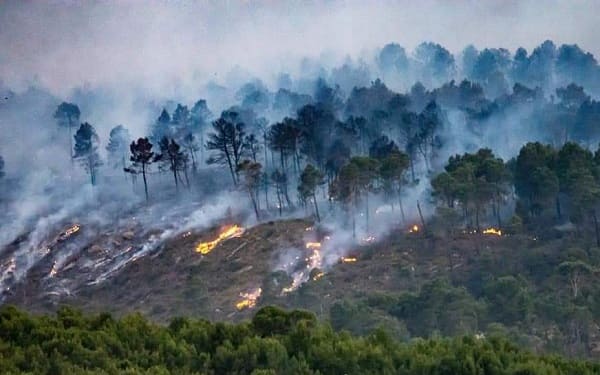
63, 44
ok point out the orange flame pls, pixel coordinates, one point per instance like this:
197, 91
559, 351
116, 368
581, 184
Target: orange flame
313, 245
249, 299
493, 231
414, 229
348, 259
69, 232
231, 231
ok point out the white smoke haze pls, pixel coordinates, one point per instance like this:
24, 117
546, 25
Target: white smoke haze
168, 48
122, 62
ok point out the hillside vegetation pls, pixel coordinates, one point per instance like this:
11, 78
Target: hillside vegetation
274, 342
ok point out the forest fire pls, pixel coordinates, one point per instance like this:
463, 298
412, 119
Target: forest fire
318, 275
248, 299
69, 232
493, 231
54, 270
348, 259
228, 232
295, 283
313, 261
414, 229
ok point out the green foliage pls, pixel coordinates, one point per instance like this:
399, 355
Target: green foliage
275, 342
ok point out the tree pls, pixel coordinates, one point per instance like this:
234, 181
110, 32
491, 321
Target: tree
162, 127
392, 172
172, 157
142, 157
86, 150
252, 145
368, 173
572, 96
200, 116
283, 137
535, 179
280, 180
383, 147
355, 180
575, 271
1, 167
310, 179
191, 145
67, 115
251, 172
346, 190
474, 181
227, 140
118, 146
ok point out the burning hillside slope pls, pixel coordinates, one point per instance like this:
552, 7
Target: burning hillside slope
238, 274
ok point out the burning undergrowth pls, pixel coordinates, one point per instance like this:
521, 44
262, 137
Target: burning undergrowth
66, 257
288, 263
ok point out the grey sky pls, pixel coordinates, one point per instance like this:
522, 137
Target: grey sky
64, 44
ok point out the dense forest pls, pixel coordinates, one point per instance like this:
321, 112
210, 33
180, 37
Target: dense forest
273, 342
423, 151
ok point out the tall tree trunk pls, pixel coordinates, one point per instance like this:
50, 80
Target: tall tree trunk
401, 210
286, 195
193, 156
316, 207
254, 205
558, 211
185, 174
233, 175
367, 211
421, 215
278, 190
145, 181
266, 193
174, 170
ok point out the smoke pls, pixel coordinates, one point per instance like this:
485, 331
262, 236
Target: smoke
168, 48
123, 62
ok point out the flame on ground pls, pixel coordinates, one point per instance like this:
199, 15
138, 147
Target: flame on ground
348, 259
69, 232
248, 299
492, 231
313, 260
414, 229
54, 270
318, 275
295, 283
231, 231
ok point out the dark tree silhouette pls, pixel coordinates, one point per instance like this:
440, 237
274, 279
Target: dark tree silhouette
142, 157
310, 179
162, 127
227, 142
86, 150
190, 144
251, 172
171, 157
67, 115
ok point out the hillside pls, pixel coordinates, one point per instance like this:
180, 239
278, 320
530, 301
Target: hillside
414, 284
